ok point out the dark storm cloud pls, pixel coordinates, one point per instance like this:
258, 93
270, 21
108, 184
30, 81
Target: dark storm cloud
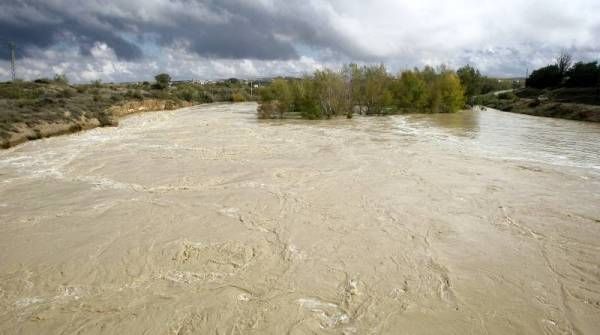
220, 29
33, 24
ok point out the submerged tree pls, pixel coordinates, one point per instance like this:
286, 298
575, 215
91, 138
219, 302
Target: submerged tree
368, 89
471, 79
411, 92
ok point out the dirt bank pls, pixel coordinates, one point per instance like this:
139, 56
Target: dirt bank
23, 132
581, 104
562, 110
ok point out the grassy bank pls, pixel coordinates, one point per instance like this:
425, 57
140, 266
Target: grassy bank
44, 108
582, 104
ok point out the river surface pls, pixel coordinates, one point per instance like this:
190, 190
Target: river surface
207, 221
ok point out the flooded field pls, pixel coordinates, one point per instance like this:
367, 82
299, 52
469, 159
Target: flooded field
208, 221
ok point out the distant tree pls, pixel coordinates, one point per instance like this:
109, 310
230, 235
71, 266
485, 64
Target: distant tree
163, 81
281, 90
548, 76
583, 75
356, 80
333, 93
451, 93
377, 89
328, 93
471, 80
96, 83
564, 62
61, 79
411, 92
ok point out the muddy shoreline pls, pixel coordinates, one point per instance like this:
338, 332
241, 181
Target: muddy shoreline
568, 111
206, 220
43, 129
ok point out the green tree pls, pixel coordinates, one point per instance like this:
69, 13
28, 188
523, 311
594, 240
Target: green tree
451, 93
333, 93
548, 76
583, 75
471, 80
356, 77
377, 89
163, 81
411, 92
281, 91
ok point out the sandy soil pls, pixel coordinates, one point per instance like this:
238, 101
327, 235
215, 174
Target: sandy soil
207, 221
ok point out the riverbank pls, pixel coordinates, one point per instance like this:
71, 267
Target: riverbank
21, 132
207, 220
46, 108
571, 104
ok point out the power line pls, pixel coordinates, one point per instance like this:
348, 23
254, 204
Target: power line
13, 71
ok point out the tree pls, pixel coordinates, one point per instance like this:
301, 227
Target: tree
451, 93
328, 93
471, 80
356, 77
377, 89
411, 92
281, 92
163, 81
583, 75
548, 76
564, 62
332, 92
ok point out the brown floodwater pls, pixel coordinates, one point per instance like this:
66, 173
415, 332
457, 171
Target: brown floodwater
207, 221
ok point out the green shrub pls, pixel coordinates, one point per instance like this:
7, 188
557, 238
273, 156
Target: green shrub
238, 97
66, 93
134, 94
161, 95
19, 91
116, 97
507, 96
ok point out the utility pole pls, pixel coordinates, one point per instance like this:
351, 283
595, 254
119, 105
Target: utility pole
13, 72
251, 88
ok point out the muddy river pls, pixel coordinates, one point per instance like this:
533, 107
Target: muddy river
207, 221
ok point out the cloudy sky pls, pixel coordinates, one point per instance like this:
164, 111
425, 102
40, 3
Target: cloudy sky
126, 40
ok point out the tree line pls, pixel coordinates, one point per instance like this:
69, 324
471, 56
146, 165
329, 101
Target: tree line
565, 73
476, 84
367, 90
